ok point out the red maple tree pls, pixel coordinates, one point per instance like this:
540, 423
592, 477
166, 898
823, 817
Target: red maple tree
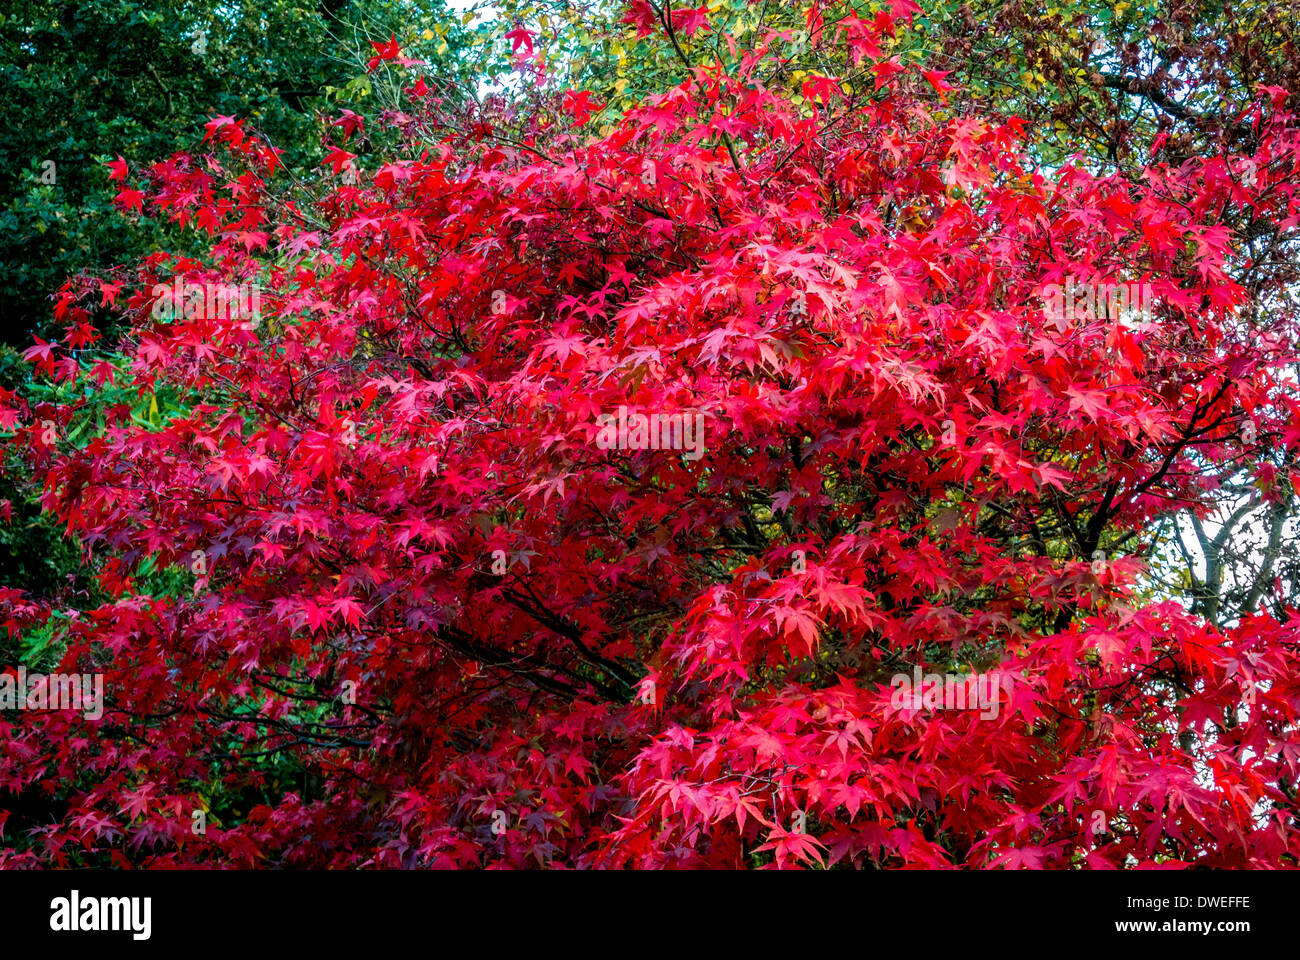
496, 618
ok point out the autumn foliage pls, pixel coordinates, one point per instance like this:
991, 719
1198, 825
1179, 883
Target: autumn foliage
411, 577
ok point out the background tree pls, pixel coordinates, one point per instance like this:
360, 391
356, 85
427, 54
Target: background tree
84, 82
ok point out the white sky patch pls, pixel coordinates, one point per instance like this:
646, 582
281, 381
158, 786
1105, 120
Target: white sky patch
484, 11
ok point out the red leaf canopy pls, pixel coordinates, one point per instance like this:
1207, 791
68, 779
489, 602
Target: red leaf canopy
492, 626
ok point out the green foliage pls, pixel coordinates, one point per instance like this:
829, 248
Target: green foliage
83, 82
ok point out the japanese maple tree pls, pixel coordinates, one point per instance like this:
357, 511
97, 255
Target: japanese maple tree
408, 565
